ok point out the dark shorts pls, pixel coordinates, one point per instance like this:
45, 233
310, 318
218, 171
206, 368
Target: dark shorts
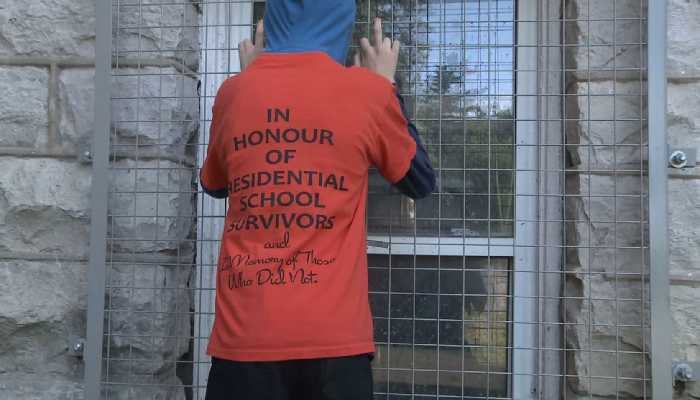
340, 378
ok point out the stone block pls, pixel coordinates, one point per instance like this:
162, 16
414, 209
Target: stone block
154, 106
607, 336
43, 304
47, 28
44, 206
683, 107
606, 233
150, 107
603, 38
156, 29
685, 320
684, 226
35, 387
148, 315
683, 35
150, 206
610, 130
23, 105
76, 91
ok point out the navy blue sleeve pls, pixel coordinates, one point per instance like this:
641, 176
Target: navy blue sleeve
217, 194
419, 181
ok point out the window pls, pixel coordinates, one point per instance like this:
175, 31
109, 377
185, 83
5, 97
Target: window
444, 271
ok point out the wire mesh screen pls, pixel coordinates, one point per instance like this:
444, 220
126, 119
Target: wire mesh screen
522, 276
151, 220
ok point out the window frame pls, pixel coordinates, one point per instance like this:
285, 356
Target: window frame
224, 25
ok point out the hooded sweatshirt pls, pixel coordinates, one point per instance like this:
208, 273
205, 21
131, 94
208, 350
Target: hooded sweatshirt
300, 26
291, 142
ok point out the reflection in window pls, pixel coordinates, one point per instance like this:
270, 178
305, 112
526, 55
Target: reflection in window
456, 70
441, 325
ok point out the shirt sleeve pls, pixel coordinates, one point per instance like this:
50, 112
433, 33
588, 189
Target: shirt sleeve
214, 176
393, 148
419, 181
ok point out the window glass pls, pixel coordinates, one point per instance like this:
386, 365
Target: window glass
456, 70
441, 325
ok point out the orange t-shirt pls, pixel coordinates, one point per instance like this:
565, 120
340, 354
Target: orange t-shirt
292, 139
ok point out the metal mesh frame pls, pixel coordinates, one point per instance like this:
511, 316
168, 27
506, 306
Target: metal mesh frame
545, 281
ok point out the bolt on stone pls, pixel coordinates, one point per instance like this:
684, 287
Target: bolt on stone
683, 372
678, 159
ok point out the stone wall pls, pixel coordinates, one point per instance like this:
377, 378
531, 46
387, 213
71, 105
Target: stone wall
684, 185
605, 321
604, 58
46, 118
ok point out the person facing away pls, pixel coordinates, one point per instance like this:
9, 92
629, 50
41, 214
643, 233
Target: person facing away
292, 139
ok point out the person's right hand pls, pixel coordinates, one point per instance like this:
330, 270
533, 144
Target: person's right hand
247, 52
380, 58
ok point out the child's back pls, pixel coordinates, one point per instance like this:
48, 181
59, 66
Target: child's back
296, 135
292, 139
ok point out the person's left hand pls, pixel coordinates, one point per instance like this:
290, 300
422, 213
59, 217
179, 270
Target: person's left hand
247, 52
380, 57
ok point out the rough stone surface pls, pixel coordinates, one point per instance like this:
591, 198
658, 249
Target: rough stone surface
154, 106
76, 88
610, 131
156, 28
151, 107
44, 206
148, 314
683, 120
606, 312
683, 37
33, 387
685, 319
151, 206
683, 223
608, 233
43, 304
684, 115
23, 105
606, 336
41, 300
603, 38
47, 28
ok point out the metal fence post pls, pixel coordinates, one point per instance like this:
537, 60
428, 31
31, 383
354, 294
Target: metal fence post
658, 202
98, 221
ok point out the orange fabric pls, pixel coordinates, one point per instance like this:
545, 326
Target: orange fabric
292, 138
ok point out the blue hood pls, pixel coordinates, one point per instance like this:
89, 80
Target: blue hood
302, 26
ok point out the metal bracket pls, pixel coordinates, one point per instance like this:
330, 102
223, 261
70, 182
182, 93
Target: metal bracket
84, 155
685, 371
377, 243
76, 346
682, 158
